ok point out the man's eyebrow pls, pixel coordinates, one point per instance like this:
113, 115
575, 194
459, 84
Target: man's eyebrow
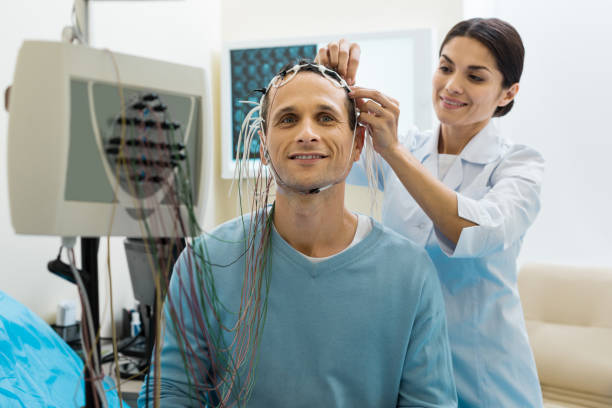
472, 67
291, 109
328, 108
286, 109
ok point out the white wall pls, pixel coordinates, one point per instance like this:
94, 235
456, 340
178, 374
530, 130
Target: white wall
24, 258
563, 109
186, 32
267, 19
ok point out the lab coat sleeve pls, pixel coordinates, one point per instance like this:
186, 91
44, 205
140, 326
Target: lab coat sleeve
183, 351
505, 212
427, 379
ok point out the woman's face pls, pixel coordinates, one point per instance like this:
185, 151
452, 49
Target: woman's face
467, 86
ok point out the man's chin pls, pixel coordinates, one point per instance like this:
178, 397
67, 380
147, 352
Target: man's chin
294, 186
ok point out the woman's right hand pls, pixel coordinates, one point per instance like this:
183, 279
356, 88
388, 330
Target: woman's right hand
380, 114
341, 56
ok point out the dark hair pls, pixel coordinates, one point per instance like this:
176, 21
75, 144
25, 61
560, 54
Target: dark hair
502, 40
311, 67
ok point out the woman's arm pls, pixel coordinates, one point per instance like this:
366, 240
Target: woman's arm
438, 201
474, 227
380, 115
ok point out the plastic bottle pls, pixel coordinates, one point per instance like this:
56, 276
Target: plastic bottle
135, 323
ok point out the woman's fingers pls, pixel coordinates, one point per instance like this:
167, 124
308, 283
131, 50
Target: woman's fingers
367, 105
342, 56
370, 119
376, 96
332, 51
353, 63
381, 124
322, 57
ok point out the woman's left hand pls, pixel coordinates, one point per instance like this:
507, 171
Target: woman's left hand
380, 114
342, 56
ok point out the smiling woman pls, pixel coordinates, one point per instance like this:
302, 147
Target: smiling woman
467, 195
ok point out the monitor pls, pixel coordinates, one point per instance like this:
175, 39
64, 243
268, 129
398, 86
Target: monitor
102, 143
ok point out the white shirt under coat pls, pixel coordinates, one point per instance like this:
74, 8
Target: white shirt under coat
498, 187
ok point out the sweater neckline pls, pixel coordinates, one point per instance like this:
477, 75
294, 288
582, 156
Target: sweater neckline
342, 259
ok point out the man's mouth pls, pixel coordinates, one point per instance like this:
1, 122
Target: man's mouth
307, 156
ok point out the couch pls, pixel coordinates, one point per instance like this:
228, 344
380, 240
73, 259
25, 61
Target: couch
568, 313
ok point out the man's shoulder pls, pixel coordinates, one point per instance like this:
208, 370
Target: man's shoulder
230, 231
398, 255
390, 240
227, 239
405, 267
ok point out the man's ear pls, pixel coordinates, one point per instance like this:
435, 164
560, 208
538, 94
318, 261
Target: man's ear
509, 94
262, 149
359, 141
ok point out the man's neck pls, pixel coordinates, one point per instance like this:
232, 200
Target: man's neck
317, 225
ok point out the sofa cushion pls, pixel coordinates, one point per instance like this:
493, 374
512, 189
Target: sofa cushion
568, 313
567, 295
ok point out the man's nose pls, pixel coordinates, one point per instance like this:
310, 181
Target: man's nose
307, 133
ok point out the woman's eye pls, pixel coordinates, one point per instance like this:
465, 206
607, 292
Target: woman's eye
476, 78
444, 68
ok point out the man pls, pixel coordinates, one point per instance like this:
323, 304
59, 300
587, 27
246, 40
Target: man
336, 311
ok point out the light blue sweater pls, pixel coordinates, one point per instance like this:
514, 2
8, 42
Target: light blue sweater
365, 328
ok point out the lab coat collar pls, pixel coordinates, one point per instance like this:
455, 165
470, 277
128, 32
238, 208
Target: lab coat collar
484, 148
454, 176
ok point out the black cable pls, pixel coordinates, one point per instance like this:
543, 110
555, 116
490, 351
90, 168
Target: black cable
110, 356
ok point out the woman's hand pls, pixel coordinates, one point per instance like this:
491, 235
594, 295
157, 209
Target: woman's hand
341, 56
380, 114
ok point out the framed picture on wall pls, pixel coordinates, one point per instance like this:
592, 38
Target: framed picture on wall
399, 64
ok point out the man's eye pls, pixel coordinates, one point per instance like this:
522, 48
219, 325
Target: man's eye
285, 120
326, 118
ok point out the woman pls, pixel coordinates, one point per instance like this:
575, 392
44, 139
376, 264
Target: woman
468, 195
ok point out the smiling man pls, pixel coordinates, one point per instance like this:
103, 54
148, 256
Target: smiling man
353, 314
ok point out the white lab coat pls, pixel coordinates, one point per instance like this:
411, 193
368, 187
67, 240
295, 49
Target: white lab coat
498, 188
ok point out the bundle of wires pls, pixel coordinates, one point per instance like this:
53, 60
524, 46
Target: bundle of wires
147, 151
228, 379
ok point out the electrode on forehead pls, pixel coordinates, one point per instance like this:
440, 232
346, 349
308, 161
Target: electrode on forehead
285, 76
